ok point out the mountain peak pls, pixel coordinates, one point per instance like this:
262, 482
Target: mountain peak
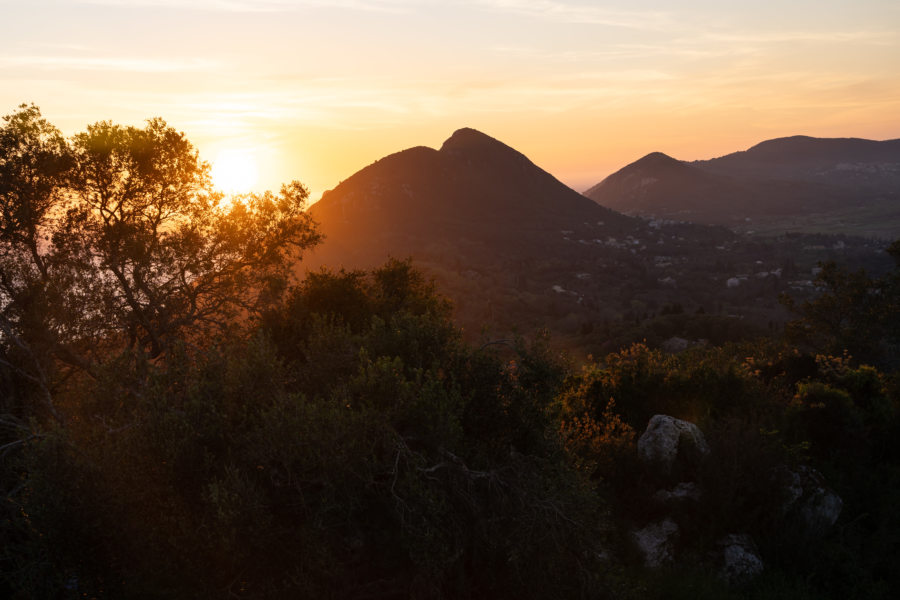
466, 138
482, 153
472, 188
656, 160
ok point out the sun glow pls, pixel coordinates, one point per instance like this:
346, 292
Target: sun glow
235, 171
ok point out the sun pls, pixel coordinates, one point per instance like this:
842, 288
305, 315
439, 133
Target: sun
234, 171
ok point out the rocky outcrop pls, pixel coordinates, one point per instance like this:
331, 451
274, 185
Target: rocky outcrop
668, 448
740, 559
668, 442
807, 497
671, 451
656, 542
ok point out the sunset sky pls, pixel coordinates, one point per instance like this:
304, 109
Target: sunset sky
317, 89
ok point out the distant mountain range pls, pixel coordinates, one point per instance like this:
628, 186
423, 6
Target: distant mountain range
810, 183
516, 249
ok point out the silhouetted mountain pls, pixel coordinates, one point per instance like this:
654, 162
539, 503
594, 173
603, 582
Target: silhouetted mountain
774, 180
474, 190
658, 183
515, 249
821, 160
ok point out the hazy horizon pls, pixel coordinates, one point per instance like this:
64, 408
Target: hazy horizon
316, 90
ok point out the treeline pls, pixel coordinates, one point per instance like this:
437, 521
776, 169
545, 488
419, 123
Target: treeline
181, 419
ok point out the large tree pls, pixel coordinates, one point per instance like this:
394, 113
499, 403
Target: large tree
114, 242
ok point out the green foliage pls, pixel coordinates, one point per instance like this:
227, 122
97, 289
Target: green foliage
854, 313
114, 243
176, 420
762, 407
696, 385
417, 466
603, 447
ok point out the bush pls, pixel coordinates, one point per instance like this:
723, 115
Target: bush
345, 450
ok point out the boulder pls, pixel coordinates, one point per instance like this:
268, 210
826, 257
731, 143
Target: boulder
675, 344
656, 542
668, 441
816, 506
684, 493
740, 559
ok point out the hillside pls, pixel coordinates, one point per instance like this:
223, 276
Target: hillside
836, 161
798, 183
474, 192
517, 250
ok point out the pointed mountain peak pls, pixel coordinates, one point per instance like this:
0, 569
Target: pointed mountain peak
655, 171
467, 136
467, 140
472, 179
656, 160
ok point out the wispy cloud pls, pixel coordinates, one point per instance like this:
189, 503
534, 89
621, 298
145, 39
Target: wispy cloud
775, 37
591, 14
611, 52
89, 63
262, 6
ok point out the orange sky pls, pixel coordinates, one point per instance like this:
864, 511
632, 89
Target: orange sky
317, 89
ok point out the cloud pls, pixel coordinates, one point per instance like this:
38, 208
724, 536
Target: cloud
88, 63
776, 37
591, 14
608, 53
261, 6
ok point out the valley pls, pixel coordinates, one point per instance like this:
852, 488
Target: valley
517, 251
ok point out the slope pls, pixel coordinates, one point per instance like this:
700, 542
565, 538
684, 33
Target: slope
474, 193
790, 183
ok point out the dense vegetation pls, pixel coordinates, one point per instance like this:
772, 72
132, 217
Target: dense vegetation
182, 421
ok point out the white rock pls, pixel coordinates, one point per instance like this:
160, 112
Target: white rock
740, 560
666, 437
675, 344
820, 510
656, 542
806, 492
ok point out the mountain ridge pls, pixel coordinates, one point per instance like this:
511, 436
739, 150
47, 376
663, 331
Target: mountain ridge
473, 186
783, 180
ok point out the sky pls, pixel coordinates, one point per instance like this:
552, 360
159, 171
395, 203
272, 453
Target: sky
315, 90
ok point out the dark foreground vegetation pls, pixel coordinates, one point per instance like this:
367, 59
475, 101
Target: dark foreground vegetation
181, 419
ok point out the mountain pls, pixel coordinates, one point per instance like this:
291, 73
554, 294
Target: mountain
473, 191
822, 184
822, 160
510, 244
658, 182
517, 250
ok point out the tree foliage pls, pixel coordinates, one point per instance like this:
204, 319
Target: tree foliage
349, 443
346, 450
114, 242
854, 312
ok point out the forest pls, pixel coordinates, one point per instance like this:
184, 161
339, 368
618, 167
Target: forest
184, 414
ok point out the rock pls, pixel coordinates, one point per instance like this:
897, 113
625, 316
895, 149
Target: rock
684, 492
820, 510
816, 506
740, 559
675, 344
668, 440
656, 542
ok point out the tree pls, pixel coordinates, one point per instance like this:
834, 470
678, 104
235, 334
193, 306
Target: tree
115, 243
855, 312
